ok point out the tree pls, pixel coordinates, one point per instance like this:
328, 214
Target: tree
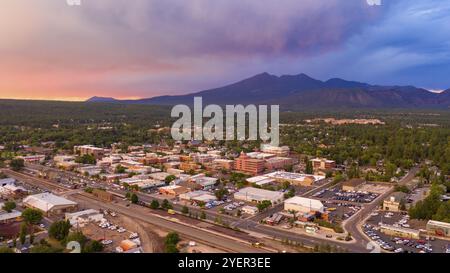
172, 238
185, 210
171, 241
17, 164
120, 169
92, 246
166, 204
169, 179
32, 216
23, 233
154, 204
203, 215
309, 167
264, 205
77, 236
59, 230
86, 159
9, 206
134, 198
221, 193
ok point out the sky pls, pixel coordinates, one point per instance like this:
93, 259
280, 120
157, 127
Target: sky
147, 48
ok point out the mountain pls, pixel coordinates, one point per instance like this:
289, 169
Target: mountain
101, 99
301, 91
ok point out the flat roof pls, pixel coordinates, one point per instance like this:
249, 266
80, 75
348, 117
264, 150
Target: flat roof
439, 223
305, 202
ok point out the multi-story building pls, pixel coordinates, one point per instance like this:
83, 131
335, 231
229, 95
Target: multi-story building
279, 151
323, 164
249, 165
98, 153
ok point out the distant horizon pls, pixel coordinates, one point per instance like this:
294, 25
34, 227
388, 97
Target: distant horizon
83, 99
144, 49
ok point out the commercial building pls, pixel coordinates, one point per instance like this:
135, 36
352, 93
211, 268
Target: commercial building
303, 205
279, 151
96, 152
8, 217
81, 218
256, 195
260, 180
323, 164
103, 195
276, 163
173, 190
49, 203
249, 165
198, 196
34, 159
438, 228
394, 202
250, 210
226, 164
400, 232
295, 178
7, 181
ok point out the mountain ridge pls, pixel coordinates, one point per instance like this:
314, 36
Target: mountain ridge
303, 91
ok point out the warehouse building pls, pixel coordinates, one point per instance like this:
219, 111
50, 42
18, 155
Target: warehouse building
256, 195
303, 205
49, 204
438, 228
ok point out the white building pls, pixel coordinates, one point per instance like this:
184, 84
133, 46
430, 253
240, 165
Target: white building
303, 205
81, 218
7, 181
251, 194
250, 210
49, 203
201, 196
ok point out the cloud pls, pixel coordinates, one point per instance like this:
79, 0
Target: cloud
151, 47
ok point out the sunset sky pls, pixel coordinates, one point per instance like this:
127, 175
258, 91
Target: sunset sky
146, 48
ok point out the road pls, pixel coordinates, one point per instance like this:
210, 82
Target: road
217, 240
354, 223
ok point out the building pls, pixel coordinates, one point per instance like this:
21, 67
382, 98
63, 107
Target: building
323, 164
260, 180
81, 218
8, 217
249, 165
189, 166
225, 164
298, 179
96, 152
205, 182
250, 210
103, 195
400, 232
173, 190
438, 228
256, 195
279, 151
276, 163
303, 205
49, 204
7, 181
394, 202
353, 184
198, 196
33, 159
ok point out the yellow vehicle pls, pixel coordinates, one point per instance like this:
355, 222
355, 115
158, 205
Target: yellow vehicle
171, 211
331, 209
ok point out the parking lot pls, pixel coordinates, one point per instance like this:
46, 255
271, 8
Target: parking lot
398, 244
339, 195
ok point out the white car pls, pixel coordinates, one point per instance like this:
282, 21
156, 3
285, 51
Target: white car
107, 242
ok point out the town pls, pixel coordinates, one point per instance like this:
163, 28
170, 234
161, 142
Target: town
127, 198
